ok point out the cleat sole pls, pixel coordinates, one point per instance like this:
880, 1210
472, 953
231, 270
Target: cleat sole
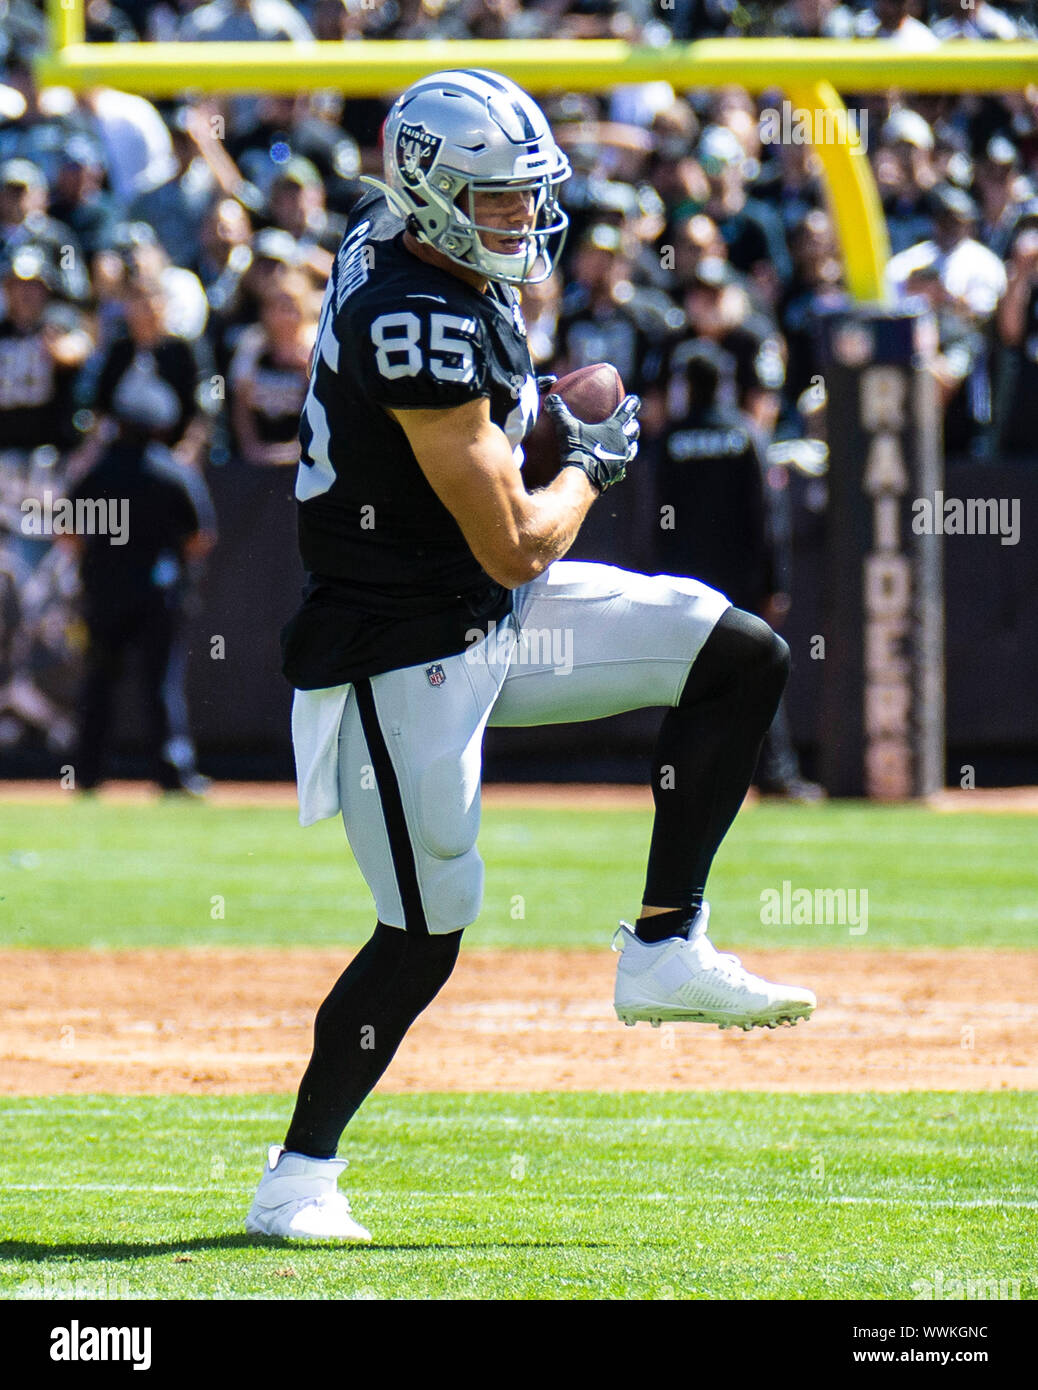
630, 1015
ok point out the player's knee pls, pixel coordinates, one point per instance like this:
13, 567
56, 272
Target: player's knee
767, 655
452, 890
742, 653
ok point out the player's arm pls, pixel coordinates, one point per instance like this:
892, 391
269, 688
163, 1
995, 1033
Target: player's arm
514, 534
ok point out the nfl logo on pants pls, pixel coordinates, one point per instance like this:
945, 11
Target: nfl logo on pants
435, 675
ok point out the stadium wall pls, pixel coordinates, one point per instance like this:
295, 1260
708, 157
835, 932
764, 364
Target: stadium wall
240, 702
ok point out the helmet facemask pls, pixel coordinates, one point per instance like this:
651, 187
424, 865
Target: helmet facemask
470, 242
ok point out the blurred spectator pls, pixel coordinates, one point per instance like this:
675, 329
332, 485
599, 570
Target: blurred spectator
890, 19
223, 253
159, 20
475, 19
700, 19
78, 198
1017, 321
905, 175
138, 146
1002, 193
751, 229
136, 585
951, 157
978, 20
270, 372
711, 476
963, 282
814, 19
134, 250
270, 252
597, 201
176, 206
296, 205
817, 278
791, 182
107, 23
332, 20
24, 30
971, 277
735, 110
149, 363
136, 254
718, 308
672, 168
287, 126
605, 318
600, 19
23, 219
639, 104
694, 239
222, 21
43, 346
39, 125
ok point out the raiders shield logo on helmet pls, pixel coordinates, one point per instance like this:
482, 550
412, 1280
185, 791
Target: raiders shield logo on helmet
416, 149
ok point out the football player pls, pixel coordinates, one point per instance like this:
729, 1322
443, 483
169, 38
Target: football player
439, 602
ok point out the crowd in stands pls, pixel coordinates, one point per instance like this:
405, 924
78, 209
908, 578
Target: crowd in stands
179, 248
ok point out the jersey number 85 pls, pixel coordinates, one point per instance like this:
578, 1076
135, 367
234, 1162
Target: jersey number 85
400, 350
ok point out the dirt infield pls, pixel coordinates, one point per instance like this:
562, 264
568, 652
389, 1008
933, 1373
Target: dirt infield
213, 1022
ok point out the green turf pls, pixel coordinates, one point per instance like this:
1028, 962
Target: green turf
569, 1196
104, 875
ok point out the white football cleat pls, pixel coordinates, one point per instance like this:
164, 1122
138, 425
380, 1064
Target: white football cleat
675, 980
297, 1199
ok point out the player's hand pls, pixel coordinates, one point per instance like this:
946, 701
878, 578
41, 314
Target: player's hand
603, 451
545, 383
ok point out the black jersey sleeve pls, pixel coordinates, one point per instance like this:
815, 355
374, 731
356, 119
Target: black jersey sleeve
417, 355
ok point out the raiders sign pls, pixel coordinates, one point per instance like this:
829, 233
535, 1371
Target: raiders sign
415, 151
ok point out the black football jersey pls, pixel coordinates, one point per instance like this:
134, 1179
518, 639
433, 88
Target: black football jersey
36, 394
392, 579
718, 527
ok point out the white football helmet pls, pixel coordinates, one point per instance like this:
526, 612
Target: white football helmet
455, 134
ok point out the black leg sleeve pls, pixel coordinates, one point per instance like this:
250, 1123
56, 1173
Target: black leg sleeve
707, 751
360, 1026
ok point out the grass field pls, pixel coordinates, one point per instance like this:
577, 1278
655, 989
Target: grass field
669, 1195
107, 875
545, 1196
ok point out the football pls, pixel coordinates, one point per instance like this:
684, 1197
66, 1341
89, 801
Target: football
592, 394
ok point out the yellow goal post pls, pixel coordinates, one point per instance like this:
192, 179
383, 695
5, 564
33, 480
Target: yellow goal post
809, 71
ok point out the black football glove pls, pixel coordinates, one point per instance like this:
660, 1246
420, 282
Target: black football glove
545, 383
603, 451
